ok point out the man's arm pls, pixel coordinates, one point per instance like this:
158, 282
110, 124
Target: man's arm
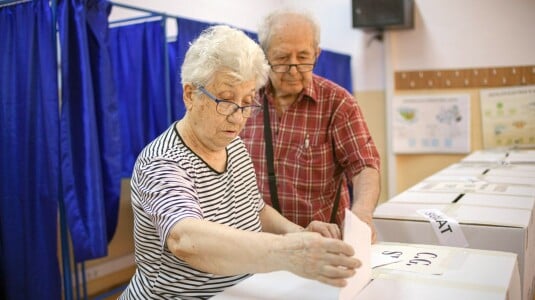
366, 192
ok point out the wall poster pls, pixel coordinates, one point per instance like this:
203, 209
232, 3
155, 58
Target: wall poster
508, 116
431, 124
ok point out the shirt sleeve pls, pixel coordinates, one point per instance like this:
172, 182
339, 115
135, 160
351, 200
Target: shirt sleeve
354, 145
166, 194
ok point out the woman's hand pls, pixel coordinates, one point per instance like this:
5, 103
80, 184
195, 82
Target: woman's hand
312, 256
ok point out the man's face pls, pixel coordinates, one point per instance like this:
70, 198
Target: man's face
291, 43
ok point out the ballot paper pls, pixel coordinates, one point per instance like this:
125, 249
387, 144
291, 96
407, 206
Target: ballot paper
358, 235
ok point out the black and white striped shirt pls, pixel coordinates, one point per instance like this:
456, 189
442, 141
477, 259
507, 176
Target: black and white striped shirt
170, 183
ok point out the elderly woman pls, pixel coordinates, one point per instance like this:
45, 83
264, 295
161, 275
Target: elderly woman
200, 222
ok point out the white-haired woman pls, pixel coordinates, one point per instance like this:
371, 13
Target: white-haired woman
200, 222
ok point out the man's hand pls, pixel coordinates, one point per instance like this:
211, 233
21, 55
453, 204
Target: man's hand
367, 217
325, 229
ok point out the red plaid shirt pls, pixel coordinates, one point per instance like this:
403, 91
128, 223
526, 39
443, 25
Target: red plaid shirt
318, 139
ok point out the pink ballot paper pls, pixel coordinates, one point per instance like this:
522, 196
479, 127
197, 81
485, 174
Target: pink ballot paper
358, 235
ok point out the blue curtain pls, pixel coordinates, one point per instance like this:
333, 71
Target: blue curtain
90, 140
336, 67
137, 53
188, 30
177, 103
29, 159
107, 109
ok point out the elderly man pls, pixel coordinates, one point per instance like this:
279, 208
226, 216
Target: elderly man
312, 137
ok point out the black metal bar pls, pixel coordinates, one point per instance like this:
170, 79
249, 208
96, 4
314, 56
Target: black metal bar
64, 230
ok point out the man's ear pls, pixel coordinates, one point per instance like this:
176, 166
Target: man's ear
187, 95
318, 51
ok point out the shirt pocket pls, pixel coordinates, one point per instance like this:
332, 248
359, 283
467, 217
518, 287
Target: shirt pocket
315, 166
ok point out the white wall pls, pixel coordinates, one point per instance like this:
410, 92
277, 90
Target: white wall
451, 34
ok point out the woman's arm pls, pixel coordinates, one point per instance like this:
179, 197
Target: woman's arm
273, 222
223, 250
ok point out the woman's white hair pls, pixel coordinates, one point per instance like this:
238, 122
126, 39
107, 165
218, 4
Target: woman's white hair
221, 48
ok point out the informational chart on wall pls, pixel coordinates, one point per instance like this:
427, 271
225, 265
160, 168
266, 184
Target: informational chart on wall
508, 116
431, 124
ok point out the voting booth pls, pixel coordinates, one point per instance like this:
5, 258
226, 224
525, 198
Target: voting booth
486, 201
402, 272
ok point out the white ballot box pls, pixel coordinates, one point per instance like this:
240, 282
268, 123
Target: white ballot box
523, 174
444, 214
506, 156
278, 286
487, 156
402, 272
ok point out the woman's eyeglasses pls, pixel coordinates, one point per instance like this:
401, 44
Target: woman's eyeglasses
228, 108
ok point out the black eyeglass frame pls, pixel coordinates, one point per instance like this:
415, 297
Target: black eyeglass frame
246, 110
301, 68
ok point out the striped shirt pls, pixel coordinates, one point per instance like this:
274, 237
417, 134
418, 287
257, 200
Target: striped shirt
170, 183
318, 139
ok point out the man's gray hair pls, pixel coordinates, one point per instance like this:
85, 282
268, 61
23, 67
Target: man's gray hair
270, 23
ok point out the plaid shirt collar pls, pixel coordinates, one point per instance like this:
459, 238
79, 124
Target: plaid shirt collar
307, 93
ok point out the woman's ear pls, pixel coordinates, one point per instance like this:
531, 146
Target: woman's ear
187, 95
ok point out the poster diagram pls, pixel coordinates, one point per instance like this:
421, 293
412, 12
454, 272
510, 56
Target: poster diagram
508, 116
431, 124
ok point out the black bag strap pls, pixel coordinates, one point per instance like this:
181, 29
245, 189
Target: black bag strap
271, 168
336, 200
269, 158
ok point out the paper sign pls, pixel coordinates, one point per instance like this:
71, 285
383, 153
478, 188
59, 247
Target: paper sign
413, 259
357, 234
447, 230
379, 260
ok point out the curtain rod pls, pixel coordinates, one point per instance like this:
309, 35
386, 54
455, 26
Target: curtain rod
153, 12
12, 2
135, 20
